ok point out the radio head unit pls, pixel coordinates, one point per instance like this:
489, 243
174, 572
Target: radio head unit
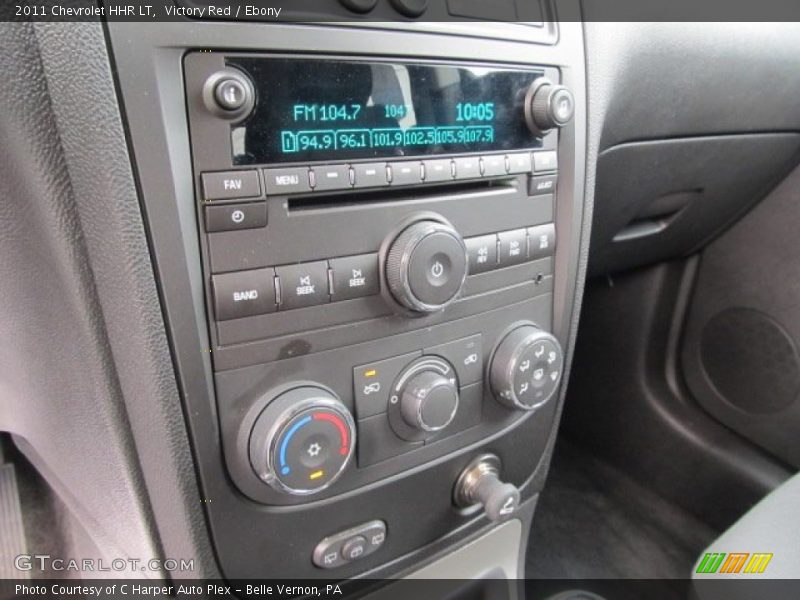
302, 110
313, 110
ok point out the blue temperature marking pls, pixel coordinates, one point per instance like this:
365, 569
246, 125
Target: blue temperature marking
284, 468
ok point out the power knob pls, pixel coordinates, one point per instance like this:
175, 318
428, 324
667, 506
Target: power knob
526, 368
548, 105
426, 266
229, 94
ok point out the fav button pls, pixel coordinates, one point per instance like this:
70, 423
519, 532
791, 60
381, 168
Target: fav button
354, 277
302, 285
230, 184
243, 294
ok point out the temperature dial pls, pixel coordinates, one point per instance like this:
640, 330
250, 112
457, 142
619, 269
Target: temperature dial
526, 368
302, 441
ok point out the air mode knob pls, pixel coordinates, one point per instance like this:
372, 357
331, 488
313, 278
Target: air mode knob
526, 368
302, 441
426, 266
548, 105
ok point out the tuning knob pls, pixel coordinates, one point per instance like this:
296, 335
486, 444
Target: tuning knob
548, 105
479, 483
426, 266
302, 441
526, 368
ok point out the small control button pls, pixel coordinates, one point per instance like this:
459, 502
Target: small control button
467, 167
482, 253
519, 163
492, 166
354, 548
331, 177
287, 181
227, 217
406, 173
546, 184
230, 94
542, 240
438, 170
230, 184
243, 294
340, 548
370, 175
465, 355
375, 532
354, 277
512, 248
377, 441
545, 161
371, 383
302, 285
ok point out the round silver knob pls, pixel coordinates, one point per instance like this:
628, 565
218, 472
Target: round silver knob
229, 94
426, 266
479, 483
429, 401
302, 441
526, 368
548, 105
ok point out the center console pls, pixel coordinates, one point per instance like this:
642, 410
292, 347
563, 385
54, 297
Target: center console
369, 258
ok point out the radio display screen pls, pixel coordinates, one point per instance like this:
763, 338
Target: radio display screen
320, 110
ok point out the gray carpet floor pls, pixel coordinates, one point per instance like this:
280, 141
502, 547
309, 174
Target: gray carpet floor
594, 522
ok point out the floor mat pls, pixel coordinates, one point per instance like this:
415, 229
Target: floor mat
593, 521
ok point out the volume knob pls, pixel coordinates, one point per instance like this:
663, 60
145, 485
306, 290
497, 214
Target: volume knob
426, 266
548, 105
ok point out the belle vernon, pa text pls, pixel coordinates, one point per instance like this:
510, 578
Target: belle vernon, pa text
135, 589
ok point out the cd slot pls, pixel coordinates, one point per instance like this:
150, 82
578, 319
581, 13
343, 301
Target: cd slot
358, 197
